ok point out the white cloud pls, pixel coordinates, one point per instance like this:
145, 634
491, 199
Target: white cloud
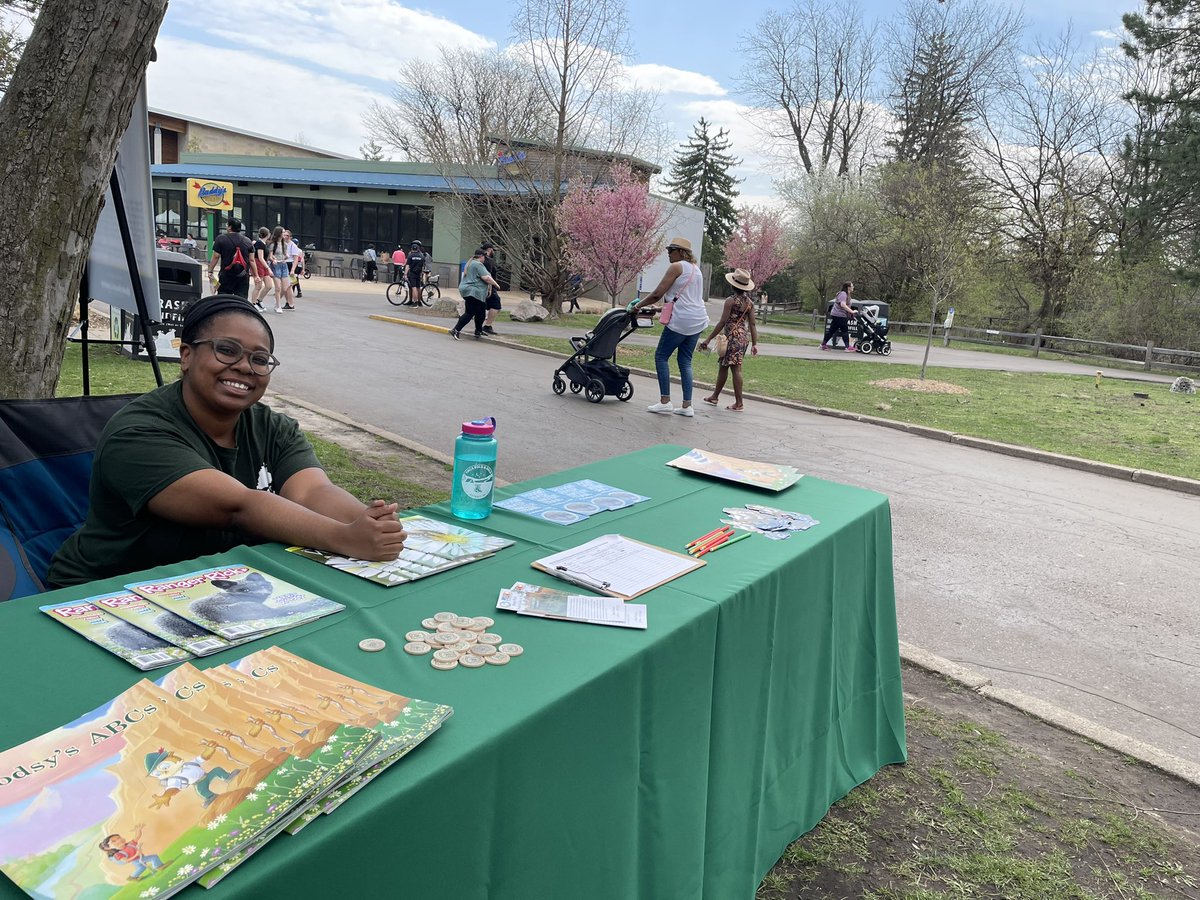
366, 39
1105, 35
668, 80
326, 109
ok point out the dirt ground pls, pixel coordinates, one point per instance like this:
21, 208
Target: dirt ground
992, 803
995, 804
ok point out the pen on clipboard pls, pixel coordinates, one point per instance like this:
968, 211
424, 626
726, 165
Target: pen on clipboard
580, 579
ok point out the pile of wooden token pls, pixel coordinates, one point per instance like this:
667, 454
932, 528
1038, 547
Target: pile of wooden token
455, 640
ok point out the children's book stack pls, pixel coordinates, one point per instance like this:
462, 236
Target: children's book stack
183, 779
168, 620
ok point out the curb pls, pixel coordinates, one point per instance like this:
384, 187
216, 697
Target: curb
1060, 718
1175, 483
969, 678
394, 438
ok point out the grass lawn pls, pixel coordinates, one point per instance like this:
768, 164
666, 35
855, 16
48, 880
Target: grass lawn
1060, 413
110, 372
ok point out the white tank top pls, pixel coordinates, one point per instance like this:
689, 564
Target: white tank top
690, 315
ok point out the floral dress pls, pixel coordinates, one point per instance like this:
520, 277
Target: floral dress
737, 331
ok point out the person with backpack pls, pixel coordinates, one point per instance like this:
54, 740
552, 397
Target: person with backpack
370, 264
234, 252
259, 268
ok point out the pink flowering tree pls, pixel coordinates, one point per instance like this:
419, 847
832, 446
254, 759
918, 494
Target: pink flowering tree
758, 244
612, 230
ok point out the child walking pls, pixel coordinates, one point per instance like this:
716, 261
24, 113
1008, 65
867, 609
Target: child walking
737, 323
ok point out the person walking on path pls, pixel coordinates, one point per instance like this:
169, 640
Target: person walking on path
493, 298
474, 288
684, 317
262, 271
277, 257
838, 322
737, 324
234, 251
294, 257
370, 264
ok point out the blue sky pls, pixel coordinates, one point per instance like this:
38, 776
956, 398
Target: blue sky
227, 61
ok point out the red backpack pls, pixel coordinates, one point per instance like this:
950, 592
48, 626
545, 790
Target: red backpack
237, 265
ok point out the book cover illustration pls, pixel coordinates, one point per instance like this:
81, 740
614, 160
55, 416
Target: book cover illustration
403, 722
140, 612
566, 504
118, 637
322, 746
236, 601
431, 547
742, 471
132, 800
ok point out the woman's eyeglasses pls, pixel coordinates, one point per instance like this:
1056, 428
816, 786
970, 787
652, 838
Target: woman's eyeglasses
230, 352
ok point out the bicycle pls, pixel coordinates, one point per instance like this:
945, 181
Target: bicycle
398, 293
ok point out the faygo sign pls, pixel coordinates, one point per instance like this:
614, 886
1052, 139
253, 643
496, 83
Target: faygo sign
210, 194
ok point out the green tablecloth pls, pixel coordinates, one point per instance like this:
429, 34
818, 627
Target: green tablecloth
605, 763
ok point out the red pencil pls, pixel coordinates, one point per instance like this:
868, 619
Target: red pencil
711, 534
713, 545
713, 541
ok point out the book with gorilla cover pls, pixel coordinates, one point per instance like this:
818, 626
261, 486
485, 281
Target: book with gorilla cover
236, 601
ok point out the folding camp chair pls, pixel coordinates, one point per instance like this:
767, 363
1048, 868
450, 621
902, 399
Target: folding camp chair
46, 450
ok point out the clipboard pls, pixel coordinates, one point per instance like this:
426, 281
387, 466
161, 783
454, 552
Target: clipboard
618, 566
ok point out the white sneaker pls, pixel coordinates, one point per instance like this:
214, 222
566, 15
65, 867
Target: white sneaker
660, 407
684, 411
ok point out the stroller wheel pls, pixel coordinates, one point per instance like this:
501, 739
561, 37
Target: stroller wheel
886, 349
559, 385
625, 392
576, 388
595, 390
865, 347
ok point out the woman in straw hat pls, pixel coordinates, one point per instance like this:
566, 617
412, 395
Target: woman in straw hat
684, 319
737, 323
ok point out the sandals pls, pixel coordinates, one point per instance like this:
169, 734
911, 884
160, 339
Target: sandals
711, 400
736, 407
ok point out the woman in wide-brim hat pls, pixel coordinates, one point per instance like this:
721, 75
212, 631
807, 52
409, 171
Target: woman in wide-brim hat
737, 324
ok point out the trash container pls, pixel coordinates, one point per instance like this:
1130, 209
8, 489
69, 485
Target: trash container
180, 282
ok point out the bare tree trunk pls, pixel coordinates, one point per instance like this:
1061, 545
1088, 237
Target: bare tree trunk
60, 124
933, 305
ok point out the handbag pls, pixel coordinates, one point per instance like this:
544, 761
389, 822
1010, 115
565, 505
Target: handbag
721, 344
668, 306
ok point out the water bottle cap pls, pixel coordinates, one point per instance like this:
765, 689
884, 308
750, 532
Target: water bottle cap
480, 427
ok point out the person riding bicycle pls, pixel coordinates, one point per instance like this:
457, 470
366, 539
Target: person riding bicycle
416, 266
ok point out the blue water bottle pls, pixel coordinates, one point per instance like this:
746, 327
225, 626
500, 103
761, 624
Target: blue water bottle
474, 470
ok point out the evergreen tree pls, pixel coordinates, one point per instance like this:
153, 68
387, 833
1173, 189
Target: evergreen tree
1162, 181
934, 107
700, 177
371, 150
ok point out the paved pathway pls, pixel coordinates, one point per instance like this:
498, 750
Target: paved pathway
1071, 587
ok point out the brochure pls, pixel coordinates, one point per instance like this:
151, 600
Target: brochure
431, 547
567, 504
742, 471
132, 644
150, 617
535, 600
236, 601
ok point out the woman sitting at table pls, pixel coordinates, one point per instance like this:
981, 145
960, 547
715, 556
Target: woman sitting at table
199, 466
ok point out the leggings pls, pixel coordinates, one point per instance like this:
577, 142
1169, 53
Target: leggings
668, 342
838, 325
476, 309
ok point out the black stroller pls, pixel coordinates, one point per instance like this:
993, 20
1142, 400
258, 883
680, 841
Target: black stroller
872, 324
591, 367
